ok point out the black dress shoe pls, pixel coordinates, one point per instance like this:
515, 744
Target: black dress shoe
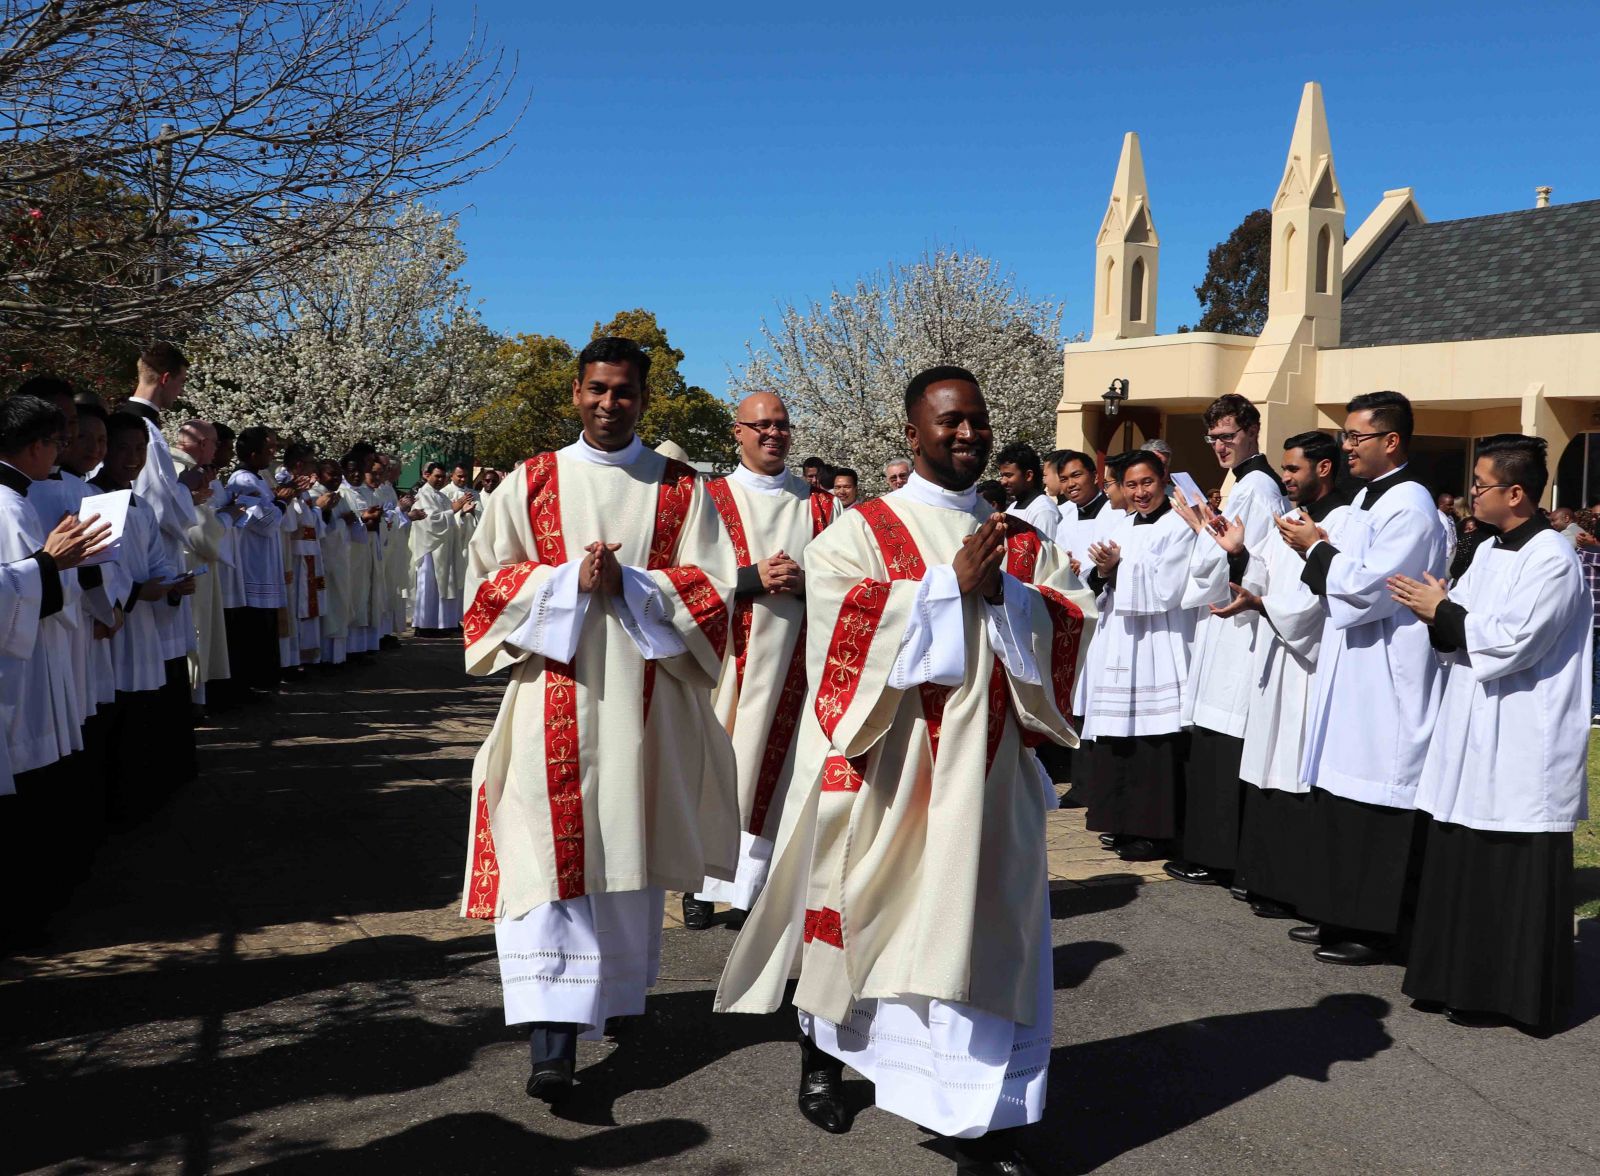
1265, 908
1312, 934
1469, 1019
822, 1089
1242, 893
979, 1157
1110, 840
1199, 875
1351, 954
1071, 799
697, 913
1138, 849
1428, 1006
551, 1081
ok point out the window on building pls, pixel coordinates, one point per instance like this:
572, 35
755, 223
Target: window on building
1324, 259
1288, 258
1111, 274
1135, 291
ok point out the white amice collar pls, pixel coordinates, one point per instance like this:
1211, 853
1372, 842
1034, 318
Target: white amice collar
760, 483
581, 450
919, 489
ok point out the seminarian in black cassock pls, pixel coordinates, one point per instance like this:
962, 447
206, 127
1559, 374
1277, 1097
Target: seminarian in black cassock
1504, 782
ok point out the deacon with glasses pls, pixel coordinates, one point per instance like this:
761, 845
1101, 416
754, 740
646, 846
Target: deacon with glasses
909, 875
1377, 691
601, 583
1217, 701
770, 515
1503, 784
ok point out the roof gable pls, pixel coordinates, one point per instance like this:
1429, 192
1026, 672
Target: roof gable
1531, 272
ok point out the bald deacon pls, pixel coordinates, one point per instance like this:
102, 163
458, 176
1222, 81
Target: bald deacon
909, 872
770, 515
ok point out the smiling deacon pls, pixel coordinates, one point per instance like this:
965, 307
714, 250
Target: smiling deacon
600, 583
770, 515
909, 873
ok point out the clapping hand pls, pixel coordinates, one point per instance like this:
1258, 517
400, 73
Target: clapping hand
1423, 599
1300, 533
1242, 601
1105, 556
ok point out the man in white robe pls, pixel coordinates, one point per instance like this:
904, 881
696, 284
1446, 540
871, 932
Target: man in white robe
369, 596
1217, 702
163, 370
1272, 835
1376, 692
1080, 501
398, 513
339, 524
1505, 779
438, 536
770, 516
909, 873
601, 584
1134, 710
253, 652
305, 579
193, 455
1021, 474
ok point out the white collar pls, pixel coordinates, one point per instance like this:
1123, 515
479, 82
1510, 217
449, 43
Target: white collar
581, 450
919, 489
761, 483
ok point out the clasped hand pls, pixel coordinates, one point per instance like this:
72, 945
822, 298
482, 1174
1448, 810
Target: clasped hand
1299, 533
779, 573
978, 563
600, 572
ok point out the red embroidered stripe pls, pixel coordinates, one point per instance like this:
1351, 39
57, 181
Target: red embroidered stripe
844, 775
999, 703
544, 510
933, 700
1022, 549
312, 608
900, 553
672, 507
821, 511
790, 700
483, 898
743, 607
704, 603
563, 780
847, 651
1066, 633
824, 924
492, 597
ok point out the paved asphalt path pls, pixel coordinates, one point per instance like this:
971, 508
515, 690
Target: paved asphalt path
1190, 1036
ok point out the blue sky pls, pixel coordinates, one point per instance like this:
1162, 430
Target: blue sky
708, 161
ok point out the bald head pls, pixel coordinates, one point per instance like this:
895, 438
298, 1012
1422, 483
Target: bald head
761, 430
198, 439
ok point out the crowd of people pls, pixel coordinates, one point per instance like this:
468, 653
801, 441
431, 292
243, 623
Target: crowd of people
160, 573
846, 716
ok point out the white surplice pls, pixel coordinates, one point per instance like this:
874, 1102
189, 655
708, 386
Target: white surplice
1041, 512
136, 649
338, 525
1142, 645
259, 537
173, 506
606, 778
438, 560
1218, 697
760, 696
60, 494
203, 547
1284, 668
921, 927
1510, 749
368, 597
21, 597
1377, 682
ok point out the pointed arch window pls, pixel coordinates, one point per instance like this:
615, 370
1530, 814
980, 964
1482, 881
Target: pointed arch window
1324, 259
1288, 258
1136, 291
1106, 300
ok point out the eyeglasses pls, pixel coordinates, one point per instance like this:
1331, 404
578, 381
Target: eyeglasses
1220, 438
766, 426
1480, 489
1358, 438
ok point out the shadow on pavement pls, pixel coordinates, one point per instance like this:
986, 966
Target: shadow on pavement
1070, 901
1113, 1096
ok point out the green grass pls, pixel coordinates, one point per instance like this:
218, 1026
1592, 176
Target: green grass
1586, 842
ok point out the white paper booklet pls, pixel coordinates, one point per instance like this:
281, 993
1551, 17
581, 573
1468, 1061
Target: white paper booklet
111, 508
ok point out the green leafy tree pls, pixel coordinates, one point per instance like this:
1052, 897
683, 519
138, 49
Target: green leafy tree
535, 412
679, 411
1233, 294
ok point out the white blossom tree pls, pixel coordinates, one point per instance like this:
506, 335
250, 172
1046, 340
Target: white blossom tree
842, 365
376, 341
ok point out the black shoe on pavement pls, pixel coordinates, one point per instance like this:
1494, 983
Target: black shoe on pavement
1265, 908
551, 1081
1199, 875
985, 1157
1242, 893
1138, 849
1111, 840
1351, 954
822, 1089
1312, 934
697, 913
1468, 1019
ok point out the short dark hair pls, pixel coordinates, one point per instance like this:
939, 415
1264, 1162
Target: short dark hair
461, 465
298, 452
615, 349
90, 408
1391, 413
1118, 463
45, 388
1059, 459
163, 359
224, 432
844, 472
118, 423
431, 466
27, 419
1142, 457
1023, 456
251, 441
1519, 460
1316, 445
1244, 414
928, 377
994, 492
813, 463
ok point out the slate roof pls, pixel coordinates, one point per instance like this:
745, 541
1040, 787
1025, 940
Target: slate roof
1532, 272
